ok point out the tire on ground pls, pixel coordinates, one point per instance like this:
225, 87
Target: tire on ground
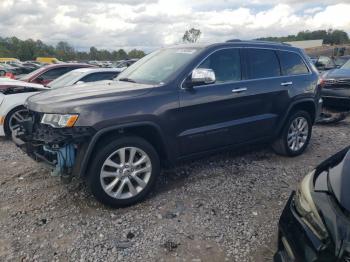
280, 145
102, 153
7, 120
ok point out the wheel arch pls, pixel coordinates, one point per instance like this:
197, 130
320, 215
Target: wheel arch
307, 105
146, 130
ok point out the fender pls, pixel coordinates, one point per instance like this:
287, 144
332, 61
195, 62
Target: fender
290, 108
91, 145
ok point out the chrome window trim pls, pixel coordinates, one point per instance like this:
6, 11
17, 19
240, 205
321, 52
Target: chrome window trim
248, 80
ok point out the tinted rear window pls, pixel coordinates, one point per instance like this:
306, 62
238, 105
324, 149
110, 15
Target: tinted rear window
262, 63
292, 64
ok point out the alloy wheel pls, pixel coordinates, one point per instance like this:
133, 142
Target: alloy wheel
16, 118
125, 172
297, 134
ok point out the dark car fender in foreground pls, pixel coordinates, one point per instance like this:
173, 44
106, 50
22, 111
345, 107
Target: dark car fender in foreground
298, 241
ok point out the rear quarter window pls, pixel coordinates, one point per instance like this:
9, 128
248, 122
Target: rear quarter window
262, 63
292, 63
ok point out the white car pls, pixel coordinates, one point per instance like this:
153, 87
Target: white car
13, 94
85, 75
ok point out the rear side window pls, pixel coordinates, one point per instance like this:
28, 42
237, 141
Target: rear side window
292, 64
56, 72
99, 76
262, 63
225, 63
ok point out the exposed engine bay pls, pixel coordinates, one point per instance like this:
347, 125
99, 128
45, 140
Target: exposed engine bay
58, 148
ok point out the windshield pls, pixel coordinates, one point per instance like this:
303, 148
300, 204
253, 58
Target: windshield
65, 80
346, 65
158, 66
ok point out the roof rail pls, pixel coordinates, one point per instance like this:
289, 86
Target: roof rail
257, 41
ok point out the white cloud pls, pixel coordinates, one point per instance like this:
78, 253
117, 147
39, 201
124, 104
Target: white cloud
150, 24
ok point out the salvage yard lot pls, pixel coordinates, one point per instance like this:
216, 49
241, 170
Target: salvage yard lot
223, 207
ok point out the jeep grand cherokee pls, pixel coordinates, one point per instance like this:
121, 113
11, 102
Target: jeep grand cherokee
174, 103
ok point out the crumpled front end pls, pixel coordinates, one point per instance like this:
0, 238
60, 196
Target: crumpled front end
59, 148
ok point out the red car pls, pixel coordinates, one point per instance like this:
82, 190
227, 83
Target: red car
46, 74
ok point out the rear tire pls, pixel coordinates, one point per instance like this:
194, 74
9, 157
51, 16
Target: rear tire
295, 135
123, 171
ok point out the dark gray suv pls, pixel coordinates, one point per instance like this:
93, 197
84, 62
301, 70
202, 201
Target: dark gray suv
173, 104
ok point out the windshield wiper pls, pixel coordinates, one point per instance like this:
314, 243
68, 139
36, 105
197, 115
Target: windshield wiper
127, 80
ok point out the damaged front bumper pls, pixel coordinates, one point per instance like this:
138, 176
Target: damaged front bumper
58, 148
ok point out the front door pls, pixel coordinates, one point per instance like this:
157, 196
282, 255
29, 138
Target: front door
209, 113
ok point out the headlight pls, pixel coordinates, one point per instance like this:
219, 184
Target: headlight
306, 207
58, 120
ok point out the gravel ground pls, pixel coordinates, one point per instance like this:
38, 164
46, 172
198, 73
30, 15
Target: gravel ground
220, 208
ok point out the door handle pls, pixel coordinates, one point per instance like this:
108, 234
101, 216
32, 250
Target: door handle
287, 83
239, 90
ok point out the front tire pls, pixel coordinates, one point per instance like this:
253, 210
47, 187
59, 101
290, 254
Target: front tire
123, 171
13, 118
295, 135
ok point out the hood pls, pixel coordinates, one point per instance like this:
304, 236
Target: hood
70, 99
15, 87
337, 74
339, 179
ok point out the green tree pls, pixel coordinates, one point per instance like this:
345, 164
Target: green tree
136, 53
64, 51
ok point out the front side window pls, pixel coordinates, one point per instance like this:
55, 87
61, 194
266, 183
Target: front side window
292, 64
262, 63
225, 63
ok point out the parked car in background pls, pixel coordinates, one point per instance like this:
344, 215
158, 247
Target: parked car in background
324, 63
173, 104
125, 63
336, 87
13, 94
84, 75
48, 60
315, 224
34, 63
21, 68
341, 60
17, 72
46, 74
6, 59
5, 72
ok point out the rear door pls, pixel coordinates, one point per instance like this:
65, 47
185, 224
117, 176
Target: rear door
267, 93
296, 75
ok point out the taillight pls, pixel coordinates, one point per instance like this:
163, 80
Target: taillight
10, 75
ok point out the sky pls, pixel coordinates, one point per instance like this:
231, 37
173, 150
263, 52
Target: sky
150, 24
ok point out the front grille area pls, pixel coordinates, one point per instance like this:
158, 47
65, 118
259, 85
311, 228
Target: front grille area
44, 134
337, 83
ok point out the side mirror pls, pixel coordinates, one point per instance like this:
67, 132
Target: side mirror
202, 76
